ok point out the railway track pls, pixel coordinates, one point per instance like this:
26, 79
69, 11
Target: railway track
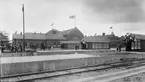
48, 74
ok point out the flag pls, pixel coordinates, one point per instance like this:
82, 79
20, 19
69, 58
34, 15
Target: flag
52, 24
22, 7
72, 16
111, 27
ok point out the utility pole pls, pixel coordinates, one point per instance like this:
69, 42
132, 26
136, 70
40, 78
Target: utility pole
23, 27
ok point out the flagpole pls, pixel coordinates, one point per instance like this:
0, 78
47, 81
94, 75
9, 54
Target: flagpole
111, 29
52, 25
75, 21
23, 27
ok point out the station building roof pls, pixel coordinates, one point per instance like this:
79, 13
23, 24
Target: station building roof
51, 34
96, 39
139, 36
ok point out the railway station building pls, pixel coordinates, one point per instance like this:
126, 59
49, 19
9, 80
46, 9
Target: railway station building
68, 38
3, 39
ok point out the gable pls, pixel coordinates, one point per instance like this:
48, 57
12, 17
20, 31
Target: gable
75, 34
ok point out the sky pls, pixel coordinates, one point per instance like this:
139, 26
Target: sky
92, 16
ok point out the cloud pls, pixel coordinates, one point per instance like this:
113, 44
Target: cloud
117, 10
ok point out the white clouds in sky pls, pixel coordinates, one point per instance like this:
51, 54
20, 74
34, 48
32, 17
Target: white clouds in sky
39, 15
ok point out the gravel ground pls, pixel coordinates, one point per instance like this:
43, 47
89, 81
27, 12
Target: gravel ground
135, 78
71, 77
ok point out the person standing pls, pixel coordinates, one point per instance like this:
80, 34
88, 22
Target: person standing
76, 47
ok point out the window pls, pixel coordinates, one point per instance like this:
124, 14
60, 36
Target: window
54, 43
31, 45
93, 45
139, 45
102, 45
99, 45
25, 43
107, 45
133, 46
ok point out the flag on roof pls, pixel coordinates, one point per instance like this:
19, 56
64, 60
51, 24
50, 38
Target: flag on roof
111, 27
72, 16
52, 24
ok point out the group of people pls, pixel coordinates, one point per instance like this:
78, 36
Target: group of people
76, 47
12, 48
19, 48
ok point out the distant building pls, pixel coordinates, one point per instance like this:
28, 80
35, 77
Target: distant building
139, 42
53, 38
3, 39
97, 42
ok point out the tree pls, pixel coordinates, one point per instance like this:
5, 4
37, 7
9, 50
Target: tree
129, 38
4, 33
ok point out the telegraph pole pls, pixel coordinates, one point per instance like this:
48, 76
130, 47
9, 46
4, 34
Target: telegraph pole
23, 27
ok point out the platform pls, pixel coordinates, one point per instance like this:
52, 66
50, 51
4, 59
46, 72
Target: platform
54, 52
36, 64
4, 60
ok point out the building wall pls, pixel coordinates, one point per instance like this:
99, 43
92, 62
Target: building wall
89, 45
54, 43
97, 45
143, 45
38, 43
30, 42
71, 45
136, 45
